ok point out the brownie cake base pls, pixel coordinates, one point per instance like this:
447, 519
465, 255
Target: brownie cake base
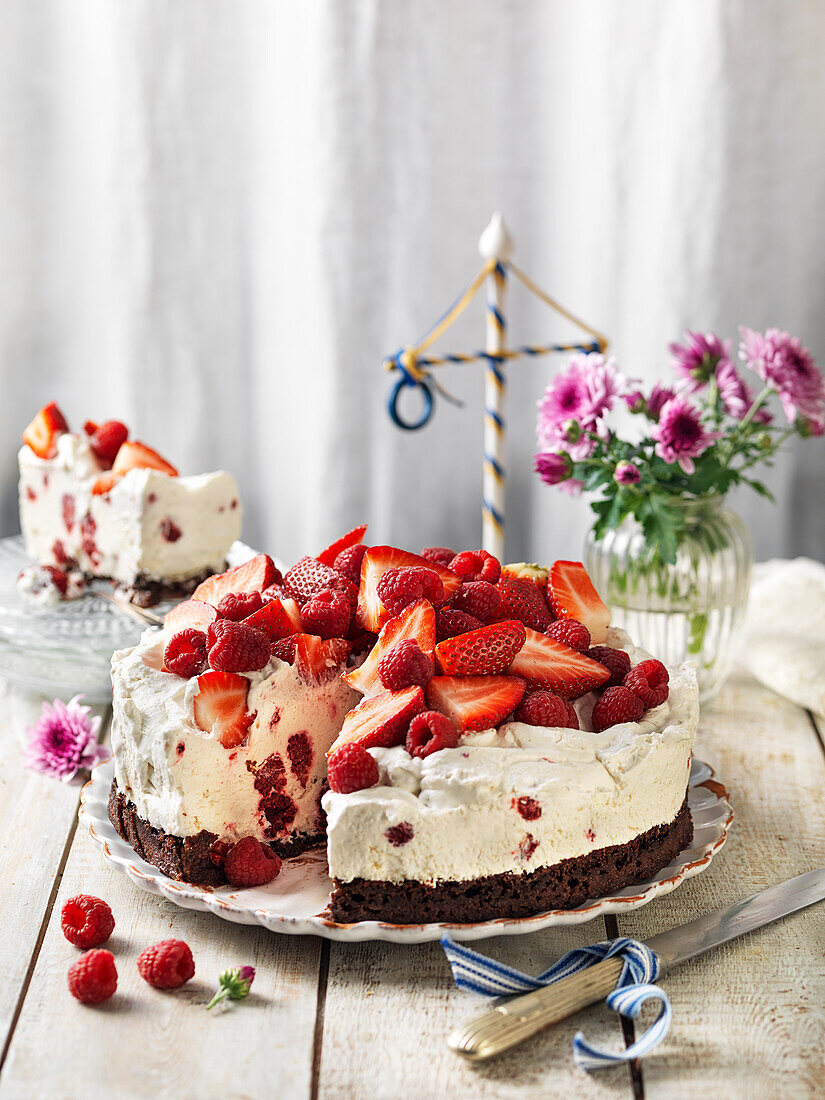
564, 885
197, 859
146, 591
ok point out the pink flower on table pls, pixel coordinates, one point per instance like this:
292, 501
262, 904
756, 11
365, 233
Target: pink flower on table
64, 740
584, 391
553, 468
659, 397
627, 473
781, 361
697, 360
680, 435
736, 395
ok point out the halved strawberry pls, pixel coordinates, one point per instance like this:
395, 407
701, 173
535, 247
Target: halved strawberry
417, 622
104, 483
371, 613
382, 720
526, 570
551, 664
194, 613
483, 652
220, 706
253, 576
475, 702
277, 619
571, 594
317, 660
309, 576
134, 455
521, 599
41, 435
351, 538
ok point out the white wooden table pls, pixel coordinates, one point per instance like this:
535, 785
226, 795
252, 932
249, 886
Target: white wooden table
369, 1020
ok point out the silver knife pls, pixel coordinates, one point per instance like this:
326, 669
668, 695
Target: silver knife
516, 1020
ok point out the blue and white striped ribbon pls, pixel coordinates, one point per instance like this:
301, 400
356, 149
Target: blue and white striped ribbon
475, 973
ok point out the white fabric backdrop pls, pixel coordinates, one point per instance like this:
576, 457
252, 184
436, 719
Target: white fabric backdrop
216, 216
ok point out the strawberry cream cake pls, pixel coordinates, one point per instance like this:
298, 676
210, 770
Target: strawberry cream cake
98, 504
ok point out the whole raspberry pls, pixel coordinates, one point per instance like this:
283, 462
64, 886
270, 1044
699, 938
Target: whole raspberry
93, 978
351, 768
570, 632
649, 680
476, 565
348, 562
108, 439
477, 598
398, 588
450, 623
617, 704
440, 555
429, 732
542, 708
405, 666
283, 649
86, 921
166, 965
251, 863
237, 647
238, 605
339, 583
616, 660
185, 653
327, 615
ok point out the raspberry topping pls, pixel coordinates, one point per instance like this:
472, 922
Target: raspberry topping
236, 647
166, 965
405, 666
649, 680
108, 439
617, 704
185, 653
239, 605
570, 632
351, 768
543, 708
477, 598
615, 660
86, 921
326, 615
348, 562
450, 623
429, 732
93, 978
476, 565
441, 555
398, 588
250, 863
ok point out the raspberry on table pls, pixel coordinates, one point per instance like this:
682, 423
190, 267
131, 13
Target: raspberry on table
429, 732
649, 680
250, 863
440, 555
615, 660
543, 708
617, 704
185, 653
93, 978
570, 632
239, 605
476, 565
166, 965
398, 588
236, 647
450, 623
86, 921
348, 562
477, 598
351, 768
327, 615
405, 666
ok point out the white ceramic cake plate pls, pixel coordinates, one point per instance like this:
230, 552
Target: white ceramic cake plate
296, 901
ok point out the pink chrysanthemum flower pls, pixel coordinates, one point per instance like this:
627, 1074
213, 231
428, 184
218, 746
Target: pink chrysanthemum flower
553, 468
635, 401
584, 391
64, 740
697, 360
789, 368
659, 397
627, 473
680, 435
736, 395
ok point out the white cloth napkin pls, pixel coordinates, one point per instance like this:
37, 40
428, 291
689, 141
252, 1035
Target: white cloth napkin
783, 643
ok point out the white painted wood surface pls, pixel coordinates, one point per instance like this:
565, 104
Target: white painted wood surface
369, 1020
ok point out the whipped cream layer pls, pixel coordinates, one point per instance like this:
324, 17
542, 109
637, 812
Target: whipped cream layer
183, 780
517, 798
149, 526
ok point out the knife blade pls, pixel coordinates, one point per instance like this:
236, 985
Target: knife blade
516, 1020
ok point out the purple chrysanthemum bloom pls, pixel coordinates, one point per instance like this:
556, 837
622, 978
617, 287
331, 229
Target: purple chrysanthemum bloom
789, 368
736, 395
627, 473
233, 985
635, 401
584, 391
553, 468
680, 435
697, 359
659, 397
64, 740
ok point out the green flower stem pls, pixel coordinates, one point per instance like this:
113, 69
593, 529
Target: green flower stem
754, 409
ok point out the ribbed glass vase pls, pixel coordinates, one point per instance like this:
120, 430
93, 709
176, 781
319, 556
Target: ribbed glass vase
691, 609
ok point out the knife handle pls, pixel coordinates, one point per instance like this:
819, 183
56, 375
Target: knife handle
518, 1019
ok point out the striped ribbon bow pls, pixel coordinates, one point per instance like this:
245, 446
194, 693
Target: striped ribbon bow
475, 973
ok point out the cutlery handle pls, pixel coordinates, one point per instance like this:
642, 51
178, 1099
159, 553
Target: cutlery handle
518, 1019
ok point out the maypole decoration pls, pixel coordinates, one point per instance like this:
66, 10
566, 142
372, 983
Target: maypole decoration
414, 365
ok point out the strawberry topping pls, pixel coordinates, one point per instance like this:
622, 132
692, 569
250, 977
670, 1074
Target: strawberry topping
571, 595
483, 652
475, 702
